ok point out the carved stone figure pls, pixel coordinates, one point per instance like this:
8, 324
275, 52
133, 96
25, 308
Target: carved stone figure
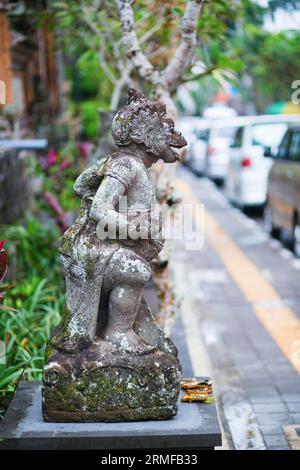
108, 360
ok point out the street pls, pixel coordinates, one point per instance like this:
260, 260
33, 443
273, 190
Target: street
242, 300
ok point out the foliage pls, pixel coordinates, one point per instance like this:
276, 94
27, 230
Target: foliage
231, 39
90, 31
56, 172
4, 288
89, 111
281, 52
31, 307
31, 248
3, 260
231, 43
272, 60
89, 72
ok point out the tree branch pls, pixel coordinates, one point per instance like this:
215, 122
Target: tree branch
101, 49
151, 31
184, 53
132, 45
200, 75
124, 80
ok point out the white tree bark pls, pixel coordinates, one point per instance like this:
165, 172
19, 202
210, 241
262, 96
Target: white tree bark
124, 80
132, 45
185, 52
172, 75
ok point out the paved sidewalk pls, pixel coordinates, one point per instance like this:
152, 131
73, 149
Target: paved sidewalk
241, 320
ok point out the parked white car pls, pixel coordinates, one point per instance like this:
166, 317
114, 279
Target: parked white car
195, 130
219, 138
209, 146
248, 168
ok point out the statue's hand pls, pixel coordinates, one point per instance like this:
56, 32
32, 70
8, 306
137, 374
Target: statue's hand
157, 245
149, 252
147, 249
146, 226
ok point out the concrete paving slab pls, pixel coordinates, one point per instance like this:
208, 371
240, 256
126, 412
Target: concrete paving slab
248, 365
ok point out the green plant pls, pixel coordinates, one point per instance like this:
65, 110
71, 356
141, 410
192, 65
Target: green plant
25, 332
90, 118
31, 249
57, 171
32, 306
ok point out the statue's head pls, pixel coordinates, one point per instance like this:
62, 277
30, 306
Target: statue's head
145, 122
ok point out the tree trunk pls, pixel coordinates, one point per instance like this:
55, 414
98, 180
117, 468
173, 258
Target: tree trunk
162, 268
14, 191
5, 59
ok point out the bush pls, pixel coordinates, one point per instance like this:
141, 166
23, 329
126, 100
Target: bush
90, 119
31, 307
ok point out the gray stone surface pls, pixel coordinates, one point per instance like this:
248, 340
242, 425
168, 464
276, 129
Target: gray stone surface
248, 367
195, 426
278, 441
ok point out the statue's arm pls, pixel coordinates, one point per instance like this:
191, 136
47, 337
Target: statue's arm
108, 195
82, 183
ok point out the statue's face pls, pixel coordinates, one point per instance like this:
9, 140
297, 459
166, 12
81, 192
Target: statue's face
146, 123
168, 141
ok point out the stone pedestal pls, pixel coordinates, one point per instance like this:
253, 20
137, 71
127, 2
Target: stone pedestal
103, 384
195, 426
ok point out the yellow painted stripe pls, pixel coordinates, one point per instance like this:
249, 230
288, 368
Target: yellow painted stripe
280, 321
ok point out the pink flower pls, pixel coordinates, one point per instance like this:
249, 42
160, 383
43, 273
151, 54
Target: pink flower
84, 149
52, 156
64, 164
3, 260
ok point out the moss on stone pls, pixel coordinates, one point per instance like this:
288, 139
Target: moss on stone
111, 390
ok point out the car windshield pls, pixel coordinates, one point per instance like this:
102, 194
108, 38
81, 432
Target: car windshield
269, 134
201, 134
228, 132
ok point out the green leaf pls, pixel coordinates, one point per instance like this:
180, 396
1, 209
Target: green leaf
209, 400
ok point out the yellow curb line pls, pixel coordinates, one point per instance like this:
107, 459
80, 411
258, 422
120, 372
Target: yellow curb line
279, 321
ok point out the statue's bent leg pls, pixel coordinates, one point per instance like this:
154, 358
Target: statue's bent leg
146, 326
77, 328
126, 273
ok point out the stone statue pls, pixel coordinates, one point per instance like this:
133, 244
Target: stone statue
108, 360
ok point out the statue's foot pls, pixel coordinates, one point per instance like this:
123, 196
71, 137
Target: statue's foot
69, 345
130, 342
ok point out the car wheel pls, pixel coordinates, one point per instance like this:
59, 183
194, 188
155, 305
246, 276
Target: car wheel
268, 222
296, 239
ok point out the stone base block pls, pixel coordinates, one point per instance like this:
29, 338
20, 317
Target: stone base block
110, 386
195, 426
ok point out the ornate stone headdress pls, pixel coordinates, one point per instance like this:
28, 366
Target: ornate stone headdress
141, 121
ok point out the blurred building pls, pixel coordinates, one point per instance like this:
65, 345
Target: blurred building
27, 65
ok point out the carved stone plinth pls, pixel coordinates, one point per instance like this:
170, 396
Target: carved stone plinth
101, 385
194, 427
